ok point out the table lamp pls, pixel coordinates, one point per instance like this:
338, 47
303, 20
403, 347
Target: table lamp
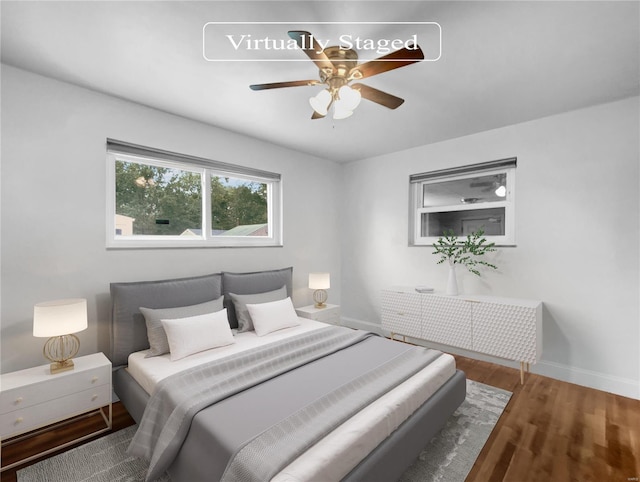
319, 282
59, 319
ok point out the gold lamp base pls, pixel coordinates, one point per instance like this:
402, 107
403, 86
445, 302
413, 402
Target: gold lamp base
62, 366
320, 297
60, 350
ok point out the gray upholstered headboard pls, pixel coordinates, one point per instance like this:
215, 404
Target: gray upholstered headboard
250, 283
128, 328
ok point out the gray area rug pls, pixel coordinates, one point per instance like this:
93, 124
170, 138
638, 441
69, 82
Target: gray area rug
447, 458
451, 454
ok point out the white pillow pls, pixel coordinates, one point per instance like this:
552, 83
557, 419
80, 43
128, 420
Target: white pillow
276, 315
158, 344
191, 335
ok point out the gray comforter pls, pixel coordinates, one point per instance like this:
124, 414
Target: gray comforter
179, 398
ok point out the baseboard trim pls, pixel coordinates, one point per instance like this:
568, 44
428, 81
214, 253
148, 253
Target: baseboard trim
587, 378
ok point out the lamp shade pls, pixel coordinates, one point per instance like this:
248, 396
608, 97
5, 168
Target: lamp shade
348, 100
339, 112
319, 281
321, 102
349, 97
59, 317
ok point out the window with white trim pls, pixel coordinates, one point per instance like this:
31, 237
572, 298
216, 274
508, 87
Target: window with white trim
463, 200
163, 199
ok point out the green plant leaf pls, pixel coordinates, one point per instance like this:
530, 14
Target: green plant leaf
464, 252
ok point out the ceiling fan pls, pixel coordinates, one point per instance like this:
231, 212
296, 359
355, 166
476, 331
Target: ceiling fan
338, 68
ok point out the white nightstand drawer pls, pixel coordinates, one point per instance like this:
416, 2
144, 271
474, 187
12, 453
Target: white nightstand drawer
34, 398
29, 418
53, 387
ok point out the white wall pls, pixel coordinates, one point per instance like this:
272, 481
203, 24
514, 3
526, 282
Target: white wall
577, 233
577, 212
53, 207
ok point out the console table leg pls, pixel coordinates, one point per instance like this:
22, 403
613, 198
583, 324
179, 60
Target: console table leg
521, 373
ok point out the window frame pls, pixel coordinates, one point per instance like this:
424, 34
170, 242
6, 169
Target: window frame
416, 190
207, 169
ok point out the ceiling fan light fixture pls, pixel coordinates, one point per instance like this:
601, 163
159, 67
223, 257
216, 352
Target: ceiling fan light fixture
338, 66
340, 111
320, 102
350, 97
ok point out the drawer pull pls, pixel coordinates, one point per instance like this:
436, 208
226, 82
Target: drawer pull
94, 379
94, 397
19, 420
18, 401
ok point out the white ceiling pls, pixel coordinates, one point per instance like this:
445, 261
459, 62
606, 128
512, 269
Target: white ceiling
502, 63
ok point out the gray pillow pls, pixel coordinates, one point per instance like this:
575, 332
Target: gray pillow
240, 303
155, 332
250, 283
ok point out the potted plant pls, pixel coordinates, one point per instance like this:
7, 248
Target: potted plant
466, 252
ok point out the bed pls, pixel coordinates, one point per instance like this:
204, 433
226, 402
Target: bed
374, 438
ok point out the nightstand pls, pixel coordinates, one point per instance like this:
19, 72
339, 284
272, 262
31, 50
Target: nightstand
31, 400
329, 314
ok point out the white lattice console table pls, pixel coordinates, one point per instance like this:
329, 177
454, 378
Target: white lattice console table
502, 327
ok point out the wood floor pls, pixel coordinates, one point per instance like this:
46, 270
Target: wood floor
556, 431
550, 431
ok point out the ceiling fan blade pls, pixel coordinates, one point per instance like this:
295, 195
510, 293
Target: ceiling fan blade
394, 60
307, 42
379, 97
278, 85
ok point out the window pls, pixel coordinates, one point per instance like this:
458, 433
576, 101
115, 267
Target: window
463, 200
163, 199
